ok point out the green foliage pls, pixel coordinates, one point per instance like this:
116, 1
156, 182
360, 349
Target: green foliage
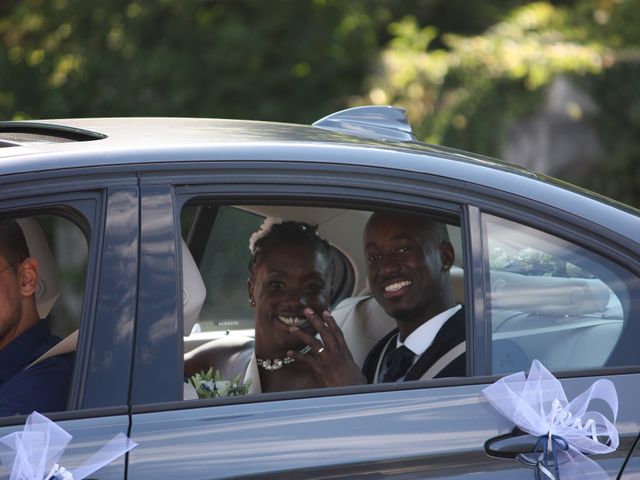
618, 173
232, 59
211, 385
464, 69
467, 90
442, 88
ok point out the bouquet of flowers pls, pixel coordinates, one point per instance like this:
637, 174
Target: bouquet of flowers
209, 384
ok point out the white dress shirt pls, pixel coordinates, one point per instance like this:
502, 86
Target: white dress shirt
420, 339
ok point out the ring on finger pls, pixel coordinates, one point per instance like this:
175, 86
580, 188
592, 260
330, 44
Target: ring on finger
320, 350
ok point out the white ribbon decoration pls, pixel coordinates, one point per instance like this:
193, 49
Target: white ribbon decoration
35, 451
538, 405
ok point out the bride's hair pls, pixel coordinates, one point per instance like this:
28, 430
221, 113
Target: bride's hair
275, 231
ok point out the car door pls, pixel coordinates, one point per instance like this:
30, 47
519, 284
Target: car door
434, 428
632, 467
94, 228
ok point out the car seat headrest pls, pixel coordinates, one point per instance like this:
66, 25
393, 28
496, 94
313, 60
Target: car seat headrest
193, 290
48, 288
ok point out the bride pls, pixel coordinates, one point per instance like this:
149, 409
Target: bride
289, 286
298, 345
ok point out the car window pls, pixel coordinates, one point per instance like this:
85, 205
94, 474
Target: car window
218, 319
60, 249
552, 300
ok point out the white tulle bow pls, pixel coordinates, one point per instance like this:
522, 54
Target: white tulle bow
34, 453
538, 405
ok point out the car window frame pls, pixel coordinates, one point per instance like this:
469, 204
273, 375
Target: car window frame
356, 186
82, 209
117, 245
295, 186
87, 190
83, 196
576, 234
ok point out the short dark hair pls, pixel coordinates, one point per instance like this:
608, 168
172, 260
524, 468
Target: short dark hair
436, 231
439, 229
13, 246
290, 231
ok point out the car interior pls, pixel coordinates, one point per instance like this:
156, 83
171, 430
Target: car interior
359, 315
59, 305
566, 320
559, 302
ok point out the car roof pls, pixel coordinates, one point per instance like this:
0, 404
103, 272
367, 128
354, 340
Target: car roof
90, 142
134, 136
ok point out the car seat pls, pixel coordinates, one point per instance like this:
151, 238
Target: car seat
193, 290
48, 288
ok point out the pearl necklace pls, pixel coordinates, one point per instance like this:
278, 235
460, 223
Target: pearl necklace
277, 363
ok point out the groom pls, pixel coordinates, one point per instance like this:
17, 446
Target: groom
408, 262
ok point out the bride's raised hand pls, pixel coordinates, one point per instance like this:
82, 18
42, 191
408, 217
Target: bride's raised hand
329, 358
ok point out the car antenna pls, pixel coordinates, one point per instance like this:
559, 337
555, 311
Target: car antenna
374, 121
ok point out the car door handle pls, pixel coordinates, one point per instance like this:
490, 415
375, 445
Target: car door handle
510, 445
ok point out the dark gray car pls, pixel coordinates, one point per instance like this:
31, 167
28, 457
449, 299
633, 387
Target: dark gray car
148, 223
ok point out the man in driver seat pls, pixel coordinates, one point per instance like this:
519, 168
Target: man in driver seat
24, 337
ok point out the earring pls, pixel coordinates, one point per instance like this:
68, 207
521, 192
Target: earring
252, 302
446, 267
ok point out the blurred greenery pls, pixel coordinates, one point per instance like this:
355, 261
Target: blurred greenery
466, 70
230, 58
468, 90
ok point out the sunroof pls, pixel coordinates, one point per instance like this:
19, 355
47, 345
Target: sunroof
14, 134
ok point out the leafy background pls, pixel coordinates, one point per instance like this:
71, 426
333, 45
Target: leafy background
481, 75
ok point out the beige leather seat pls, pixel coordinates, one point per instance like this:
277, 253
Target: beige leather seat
193, 296
48, 288
229, 354
573, 313
193, 291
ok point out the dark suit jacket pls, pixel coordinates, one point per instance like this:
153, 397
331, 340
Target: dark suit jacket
450, 335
